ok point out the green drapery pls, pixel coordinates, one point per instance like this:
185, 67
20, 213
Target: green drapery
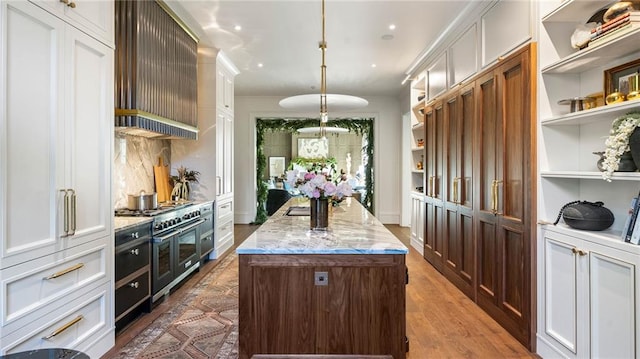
359, 126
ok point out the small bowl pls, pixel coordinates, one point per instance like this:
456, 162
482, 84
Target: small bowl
614, 97
633, 95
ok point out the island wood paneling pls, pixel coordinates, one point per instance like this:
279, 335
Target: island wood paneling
360, 311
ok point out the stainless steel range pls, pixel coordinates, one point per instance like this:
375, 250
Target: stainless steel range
175, 242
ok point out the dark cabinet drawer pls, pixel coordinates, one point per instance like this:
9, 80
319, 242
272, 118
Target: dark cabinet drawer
132, 257
206, 243
125, 236
132, 293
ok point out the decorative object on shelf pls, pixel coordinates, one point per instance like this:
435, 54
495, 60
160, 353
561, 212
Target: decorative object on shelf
615, 97
620, 8
619, 142
621, 79
421, 97
420, 142
582, 35
585, 215
597, 102
181, 188
419, 164
626, 163
577, 103
316, 186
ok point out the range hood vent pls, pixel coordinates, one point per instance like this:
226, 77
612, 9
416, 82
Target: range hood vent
156, 72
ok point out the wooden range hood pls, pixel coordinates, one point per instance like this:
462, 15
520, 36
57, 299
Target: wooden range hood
155, 72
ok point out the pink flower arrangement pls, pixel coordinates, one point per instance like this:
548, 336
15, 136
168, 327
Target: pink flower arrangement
317, 186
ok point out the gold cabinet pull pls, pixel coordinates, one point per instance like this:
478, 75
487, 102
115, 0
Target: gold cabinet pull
429, 186
456, 190
66, 2
72, 5
579, 252
495, 195
63, 328
73, 212
65, 271
66, 212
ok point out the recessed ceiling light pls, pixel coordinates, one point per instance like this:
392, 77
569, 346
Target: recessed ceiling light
387, 37
237, 27
392, 27
374, 65
260, 64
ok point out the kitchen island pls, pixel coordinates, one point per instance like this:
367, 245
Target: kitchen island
336, 292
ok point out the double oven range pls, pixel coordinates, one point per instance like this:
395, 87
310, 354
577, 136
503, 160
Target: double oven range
175, 241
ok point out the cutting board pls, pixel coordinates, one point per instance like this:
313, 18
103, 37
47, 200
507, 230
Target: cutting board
161, 175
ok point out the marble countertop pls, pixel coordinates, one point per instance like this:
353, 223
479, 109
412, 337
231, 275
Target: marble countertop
120, 223
352, 230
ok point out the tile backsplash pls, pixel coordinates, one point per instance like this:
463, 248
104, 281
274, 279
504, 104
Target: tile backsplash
134, 158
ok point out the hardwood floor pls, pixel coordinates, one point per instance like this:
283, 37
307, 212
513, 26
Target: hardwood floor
441, 321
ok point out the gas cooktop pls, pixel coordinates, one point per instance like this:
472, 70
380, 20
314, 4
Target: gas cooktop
162, 208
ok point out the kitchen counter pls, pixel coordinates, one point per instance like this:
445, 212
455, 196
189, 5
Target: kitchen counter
352, 230
121, 223
337, 292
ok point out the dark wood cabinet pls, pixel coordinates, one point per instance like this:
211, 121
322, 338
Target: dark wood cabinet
480, 198
359, 310
434, 175
459, 256
505, 190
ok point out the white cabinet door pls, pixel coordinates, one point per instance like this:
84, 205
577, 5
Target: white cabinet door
31, 131
56, 135
224, 153
589, 298
94, 17
560, 294
505, 27
89, 125
612, 315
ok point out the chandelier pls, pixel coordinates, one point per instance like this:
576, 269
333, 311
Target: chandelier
342, 102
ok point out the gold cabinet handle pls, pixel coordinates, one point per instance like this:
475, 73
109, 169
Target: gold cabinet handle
579, 252
497, 202
66, 212
65, 271
72, 5
73, 212
494, 187
456, 190
63, 328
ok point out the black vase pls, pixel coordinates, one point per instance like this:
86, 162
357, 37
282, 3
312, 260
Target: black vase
634, 146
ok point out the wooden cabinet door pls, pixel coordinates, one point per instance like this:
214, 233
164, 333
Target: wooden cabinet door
434, 171
504, 190
459, 244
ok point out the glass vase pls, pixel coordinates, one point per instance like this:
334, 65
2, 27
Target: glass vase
319, 214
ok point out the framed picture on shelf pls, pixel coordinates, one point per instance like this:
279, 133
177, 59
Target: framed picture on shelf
621, 78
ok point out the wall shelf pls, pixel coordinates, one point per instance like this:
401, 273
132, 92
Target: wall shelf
624, 176
594, 114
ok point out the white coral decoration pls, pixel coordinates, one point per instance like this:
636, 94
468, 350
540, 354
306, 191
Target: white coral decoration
618, 142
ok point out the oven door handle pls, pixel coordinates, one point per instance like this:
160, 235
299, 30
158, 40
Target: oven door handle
177, 231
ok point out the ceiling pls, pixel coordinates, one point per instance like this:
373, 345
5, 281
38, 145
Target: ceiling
283, 37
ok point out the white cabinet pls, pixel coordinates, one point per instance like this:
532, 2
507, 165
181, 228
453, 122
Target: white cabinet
588, 305
95, 18
56, 133
587, 281
224, 154
417, 222
506, 26
224, 83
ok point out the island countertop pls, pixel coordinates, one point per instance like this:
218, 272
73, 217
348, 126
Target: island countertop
352, 230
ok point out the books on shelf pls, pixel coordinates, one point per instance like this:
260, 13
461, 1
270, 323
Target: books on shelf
614, 28
627, 223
